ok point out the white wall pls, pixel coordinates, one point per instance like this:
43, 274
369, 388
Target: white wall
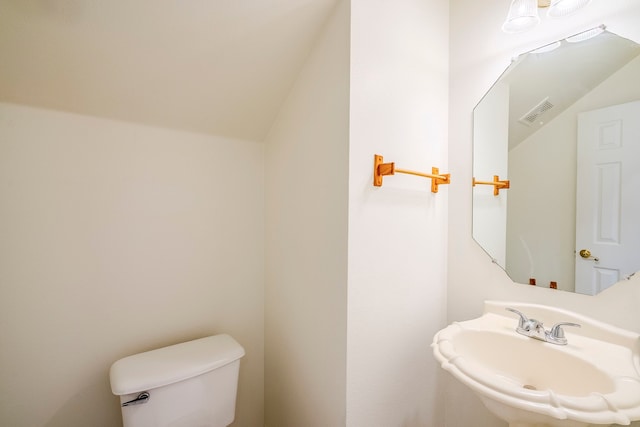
397, 79
306, 240
118, 238
479, 53
397, 233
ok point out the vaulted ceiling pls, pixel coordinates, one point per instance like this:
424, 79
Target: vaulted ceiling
221, 67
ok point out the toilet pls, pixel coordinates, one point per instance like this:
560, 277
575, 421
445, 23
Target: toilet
192, 384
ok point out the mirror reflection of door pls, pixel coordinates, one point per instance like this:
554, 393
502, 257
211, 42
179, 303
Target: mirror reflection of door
608, 196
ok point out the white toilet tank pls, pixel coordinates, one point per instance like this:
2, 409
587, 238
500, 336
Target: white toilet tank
192, 384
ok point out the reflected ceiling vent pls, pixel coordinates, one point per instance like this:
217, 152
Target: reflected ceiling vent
534, 114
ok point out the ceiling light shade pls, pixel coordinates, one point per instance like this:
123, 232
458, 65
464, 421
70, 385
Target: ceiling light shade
523, 15
565, 7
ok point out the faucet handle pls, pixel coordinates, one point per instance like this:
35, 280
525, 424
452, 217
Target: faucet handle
556, 334
524, 320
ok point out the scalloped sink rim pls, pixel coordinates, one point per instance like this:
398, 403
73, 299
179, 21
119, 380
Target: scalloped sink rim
612, 351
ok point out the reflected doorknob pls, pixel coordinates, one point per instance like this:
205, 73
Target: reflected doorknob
586, 254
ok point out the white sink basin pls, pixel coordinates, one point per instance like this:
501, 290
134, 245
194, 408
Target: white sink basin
594, 379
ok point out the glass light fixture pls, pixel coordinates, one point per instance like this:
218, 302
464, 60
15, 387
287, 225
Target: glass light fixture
523, 15
565, 7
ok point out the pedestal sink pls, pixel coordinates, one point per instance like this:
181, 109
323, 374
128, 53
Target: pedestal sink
592, 380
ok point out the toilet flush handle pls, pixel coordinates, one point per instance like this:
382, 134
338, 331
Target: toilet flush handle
142, 398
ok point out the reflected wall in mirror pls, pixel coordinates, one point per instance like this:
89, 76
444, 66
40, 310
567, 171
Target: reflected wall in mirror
562, 124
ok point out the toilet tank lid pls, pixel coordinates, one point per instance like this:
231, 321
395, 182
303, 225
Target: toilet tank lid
167, 365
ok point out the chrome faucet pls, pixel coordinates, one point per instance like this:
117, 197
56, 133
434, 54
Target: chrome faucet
535, 329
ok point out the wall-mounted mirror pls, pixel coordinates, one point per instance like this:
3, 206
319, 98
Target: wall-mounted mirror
562, 125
